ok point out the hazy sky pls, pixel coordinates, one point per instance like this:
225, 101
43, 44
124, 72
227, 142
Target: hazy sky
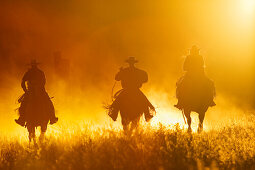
97, 36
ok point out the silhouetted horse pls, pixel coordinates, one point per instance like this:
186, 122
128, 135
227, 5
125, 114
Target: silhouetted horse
37, 112
132, 105
195, 93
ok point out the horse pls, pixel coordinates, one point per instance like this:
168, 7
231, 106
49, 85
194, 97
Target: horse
38, 110
131, 104
195, 93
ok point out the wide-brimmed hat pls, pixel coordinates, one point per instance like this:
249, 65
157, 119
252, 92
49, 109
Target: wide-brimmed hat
131, 60
194, 49
33, 63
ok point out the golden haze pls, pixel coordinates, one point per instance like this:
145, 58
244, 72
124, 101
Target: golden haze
97, 38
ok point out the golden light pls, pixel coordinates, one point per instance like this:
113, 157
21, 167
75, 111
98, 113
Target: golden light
247, 7
167, 115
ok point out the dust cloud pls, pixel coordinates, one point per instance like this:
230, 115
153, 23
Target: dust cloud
81, 45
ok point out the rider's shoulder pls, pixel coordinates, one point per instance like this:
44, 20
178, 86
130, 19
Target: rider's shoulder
29, 71
40, 70
141, 71
125, 69
137, 70
193, 56
34, 71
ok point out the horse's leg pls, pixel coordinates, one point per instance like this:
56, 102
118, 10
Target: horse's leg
201, 120
31, 131
187, 115
135, 123
125, 124
43, 130
126, 128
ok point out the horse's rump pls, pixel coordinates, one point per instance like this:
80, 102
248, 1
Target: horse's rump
131, 103
195, 92
38, 108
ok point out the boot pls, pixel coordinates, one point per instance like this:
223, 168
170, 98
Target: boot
178, 106
53, 120
148, 117
113, 113
212, 103
20, 122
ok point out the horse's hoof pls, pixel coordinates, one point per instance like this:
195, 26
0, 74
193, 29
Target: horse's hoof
200, 129
189, 130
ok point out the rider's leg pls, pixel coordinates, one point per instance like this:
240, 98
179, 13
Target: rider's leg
187, 115
147, 102
22, 110
147, 114
114, 109
115, 106
53, 118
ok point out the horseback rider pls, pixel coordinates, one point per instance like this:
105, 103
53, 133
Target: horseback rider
33, 82
194, 68
194, 62
131, 79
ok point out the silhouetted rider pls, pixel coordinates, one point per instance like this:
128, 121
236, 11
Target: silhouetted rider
131, 79
194, 62
194, 68
34, 77
33, 82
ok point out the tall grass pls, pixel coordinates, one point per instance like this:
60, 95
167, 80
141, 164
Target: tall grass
231, 147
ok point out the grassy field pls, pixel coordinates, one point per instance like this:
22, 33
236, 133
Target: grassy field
230, 147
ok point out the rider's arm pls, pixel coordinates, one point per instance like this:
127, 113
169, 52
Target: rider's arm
23, 85
201, 62
143, 76
43, 79
23, 82
145, 79
186, 63
119, 75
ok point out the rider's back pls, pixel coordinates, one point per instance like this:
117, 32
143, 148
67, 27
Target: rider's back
131, 77
194, 64
34, 78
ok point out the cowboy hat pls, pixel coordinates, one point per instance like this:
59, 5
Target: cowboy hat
131, 60
33, 63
